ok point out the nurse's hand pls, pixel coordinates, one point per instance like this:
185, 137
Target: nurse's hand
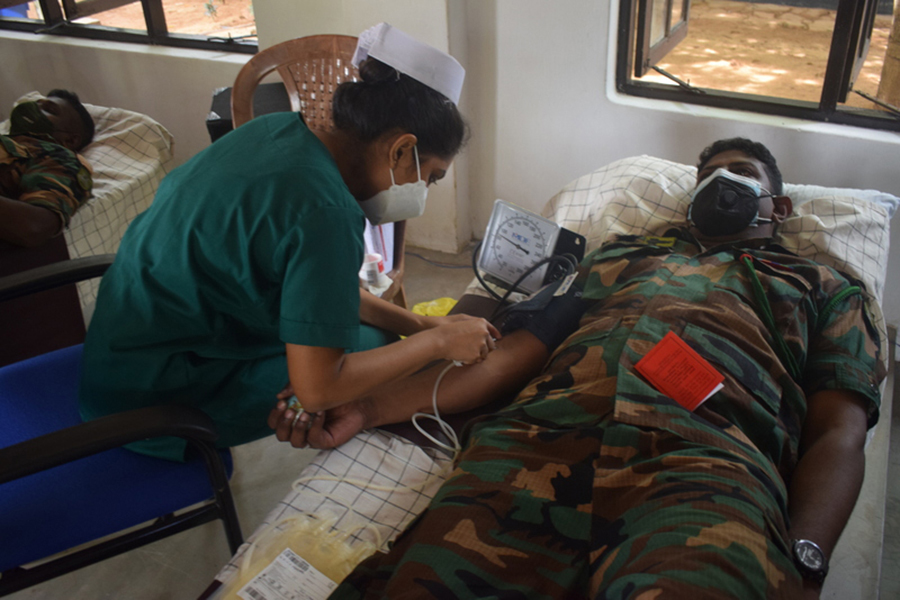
467, 340
323, 430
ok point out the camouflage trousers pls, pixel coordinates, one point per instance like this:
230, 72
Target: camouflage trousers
600, 510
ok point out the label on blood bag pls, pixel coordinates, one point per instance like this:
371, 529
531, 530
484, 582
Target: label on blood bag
288, 577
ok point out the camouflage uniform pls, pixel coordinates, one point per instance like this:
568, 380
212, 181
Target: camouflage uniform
44, 173
593, 484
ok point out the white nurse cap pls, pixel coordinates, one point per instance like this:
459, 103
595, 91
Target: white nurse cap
438, 70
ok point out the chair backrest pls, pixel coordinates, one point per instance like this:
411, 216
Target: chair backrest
311, 68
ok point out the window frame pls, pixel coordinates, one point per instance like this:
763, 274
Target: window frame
646, 52
846, 46
56, 22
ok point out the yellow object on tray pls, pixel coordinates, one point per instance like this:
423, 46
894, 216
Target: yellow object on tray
434, 308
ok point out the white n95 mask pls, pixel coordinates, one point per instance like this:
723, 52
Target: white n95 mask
398, 202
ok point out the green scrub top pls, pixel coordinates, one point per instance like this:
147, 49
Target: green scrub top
254, 242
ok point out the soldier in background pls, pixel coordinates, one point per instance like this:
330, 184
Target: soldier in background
43, 181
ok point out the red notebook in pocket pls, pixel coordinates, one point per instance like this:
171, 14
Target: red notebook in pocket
676, 370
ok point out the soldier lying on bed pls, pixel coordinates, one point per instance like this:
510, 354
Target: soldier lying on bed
593, 482
43, 180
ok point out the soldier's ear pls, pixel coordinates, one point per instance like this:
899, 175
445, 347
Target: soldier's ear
782, 208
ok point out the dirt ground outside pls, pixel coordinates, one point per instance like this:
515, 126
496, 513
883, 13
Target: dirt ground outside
223, 18
767, 49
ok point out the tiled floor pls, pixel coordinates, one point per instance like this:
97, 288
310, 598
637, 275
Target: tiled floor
181, 567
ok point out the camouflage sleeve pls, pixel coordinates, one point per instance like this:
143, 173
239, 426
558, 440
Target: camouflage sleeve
59, 183
844, 348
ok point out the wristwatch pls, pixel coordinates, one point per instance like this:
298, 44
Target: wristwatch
810, 560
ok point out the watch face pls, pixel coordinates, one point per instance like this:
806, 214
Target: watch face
515, 240
810, 555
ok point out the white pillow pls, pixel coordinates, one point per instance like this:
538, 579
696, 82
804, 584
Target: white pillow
644, 195
850, 234
801, 194
640, 195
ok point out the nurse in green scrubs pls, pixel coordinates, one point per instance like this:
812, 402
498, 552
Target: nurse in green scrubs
243, 274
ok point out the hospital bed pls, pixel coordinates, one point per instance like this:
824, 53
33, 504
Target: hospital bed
130, 154
376, 484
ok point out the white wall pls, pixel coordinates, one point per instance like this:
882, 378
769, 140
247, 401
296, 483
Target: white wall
538, 96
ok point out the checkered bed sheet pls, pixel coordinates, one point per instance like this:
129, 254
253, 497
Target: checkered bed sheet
130, 156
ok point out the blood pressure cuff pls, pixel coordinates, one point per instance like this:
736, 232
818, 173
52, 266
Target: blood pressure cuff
550, 315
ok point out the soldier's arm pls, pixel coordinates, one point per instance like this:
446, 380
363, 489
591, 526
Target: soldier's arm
828, 477
50, 189
23, 224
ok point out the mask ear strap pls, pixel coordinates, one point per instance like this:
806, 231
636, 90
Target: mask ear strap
418, 168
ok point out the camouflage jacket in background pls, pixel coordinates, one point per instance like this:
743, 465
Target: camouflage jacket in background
44, 173
640, 288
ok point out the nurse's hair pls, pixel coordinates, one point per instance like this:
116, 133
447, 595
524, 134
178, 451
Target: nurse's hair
385, 100
750, 148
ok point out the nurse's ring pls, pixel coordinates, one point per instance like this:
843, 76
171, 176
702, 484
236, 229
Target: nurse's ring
295, 405
300, 411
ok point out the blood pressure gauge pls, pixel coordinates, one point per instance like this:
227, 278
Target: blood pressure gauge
514, 241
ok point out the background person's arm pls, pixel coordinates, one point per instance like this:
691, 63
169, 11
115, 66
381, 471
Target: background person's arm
826, 482
23, 224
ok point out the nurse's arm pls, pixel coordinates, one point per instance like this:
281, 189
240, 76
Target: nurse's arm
390, 317
323, 378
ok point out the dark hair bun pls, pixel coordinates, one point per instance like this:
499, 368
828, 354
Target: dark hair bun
375, 71
386, 100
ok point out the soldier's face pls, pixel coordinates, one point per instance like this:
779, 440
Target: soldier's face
67, 127
770, 208
741, 164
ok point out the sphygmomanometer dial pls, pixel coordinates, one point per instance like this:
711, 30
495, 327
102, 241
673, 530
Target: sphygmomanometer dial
515, 240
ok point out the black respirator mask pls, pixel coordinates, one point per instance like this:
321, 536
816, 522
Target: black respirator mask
725, 204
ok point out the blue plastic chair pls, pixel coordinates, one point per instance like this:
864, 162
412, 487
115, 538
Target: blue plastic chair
64, 483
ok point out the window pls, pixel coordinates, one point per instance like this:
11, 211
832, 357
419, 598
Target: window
204, 24
664, 24
824, 60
